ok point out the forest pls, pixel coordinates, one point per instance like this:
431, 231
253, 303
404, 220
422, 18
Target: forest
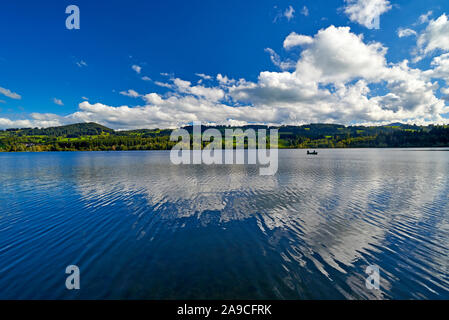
95, 137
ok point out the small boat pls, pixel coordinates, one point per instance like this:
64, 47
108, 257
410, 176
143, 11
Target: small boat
312, 152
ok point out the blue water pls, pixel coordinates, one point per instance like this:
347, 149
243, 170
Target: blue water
139, 227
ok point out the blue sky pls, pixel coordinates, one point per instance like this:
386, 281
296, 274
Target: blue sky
50, 75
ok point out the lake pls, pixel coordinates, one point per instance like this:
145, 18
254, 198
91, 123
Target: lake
139, 227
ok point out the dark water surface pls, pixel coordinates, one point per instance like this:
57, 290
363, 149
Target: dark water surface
140, 227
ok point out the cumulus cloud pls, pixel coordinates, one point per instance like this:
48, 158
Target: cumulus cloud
333, 83
440, 68
10, 94
167, 113
411, 94
153, 98
338, 55
445, 92
146, 78
366, 12
224, 80
40, 120
210, 94
435, 36
136, 68
181, 87
405, 32
58, 101
338, 77
7, 123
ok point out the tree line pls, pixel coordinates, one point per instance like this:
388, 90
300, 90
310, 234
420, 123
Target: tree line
95, 137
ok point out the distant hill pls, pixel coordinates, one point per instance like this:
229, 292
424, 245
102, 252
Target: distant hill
71, 130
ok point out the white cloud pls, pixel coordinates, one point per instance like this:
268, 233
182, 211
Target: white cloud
153, 98
305, 11
338, 55
146, 78
435, 36
81, 64
210, 94
58, 101
332, 83
183, 87
130, 93
440, 68
366, 12
289, 13
445, 91
203, 76
84, 98
424, 18
412, 93
37, 120
294, 40
136, 68
164, 113
405, 32
10, 94
7, 123
338, 78
224, 80
163, 84
283, 65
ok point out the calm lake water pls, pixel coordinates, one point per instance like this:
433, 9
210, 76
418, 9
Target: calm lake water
139, 227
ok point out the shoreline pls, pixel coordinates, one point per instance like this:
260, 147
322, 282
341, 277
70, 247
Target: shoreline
415, 148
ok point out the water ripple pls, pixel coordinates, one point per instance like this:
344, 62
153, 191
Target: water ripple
139, 227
